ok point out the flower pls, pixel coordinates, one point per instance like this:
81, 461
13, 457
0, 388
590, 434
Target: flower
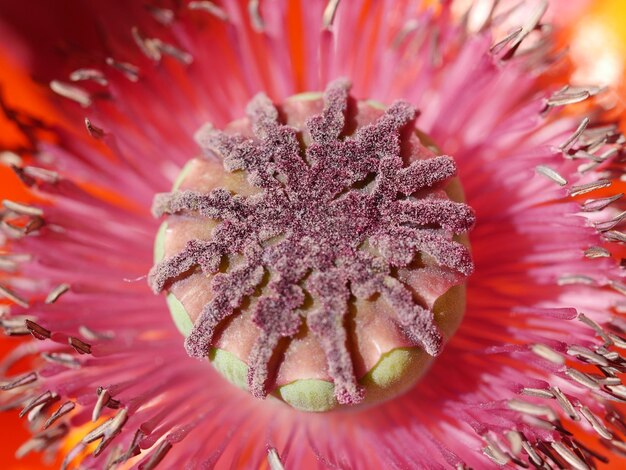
534, 373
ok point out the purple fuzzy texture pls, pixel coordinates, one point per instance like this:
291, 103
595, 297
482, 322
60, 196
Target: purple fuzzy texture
322, 220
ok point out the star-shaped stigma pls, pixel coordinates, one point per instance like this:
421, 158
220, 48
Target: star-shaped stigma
315, 228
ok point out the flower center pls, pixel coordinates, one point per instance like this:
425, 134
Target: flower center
315, 251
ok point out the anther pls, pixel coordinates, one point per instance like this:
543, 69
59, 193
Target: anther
64, 409
56, 293
107, 431
89, 74
147, 46
255, 16
46, 398
71, 92
589, 187
24, 209
38, 331
12, 296
164, 16
130, 71
329, 13
79, 346
94, 131
570, 457
551, 174
20, 381
594, 205
209, 7
156, 456
273, 460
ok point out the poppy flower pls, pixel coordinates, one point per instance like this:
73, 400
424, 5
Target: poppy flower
341, 182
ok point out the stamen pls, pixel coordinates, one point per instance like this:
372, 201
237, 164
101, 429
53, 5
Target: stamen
11, 231
571, 141
42, 441
39, 332
609, 380
71, 92
329, 13
22, 208
531, 409
569, 456
500, 45
608, 154
618, 391
587, 355
130, 71
94, 131
164, 16
209, 7
496, 455
595, 205
255, 16
8, 265
14, 326
537, 392
66, 360
64, 409
569, 279
584, 155
565, 404
89, 74
42, 174
103, 398
619, 342
615, 236
532, 453
597, 328
618, 286
147, 46
114, 458
610, 224
546, 352
9, 158
582, 378
20, 381
551, 174
106, 431
408, 27
56, 293
156, 457
563, 99
515, 440
13, 297
173, 51
273, 460
596, 144
595, 423
46, 398
589, 187
531, 23
133, 447
92, 335
550, 455
79, 346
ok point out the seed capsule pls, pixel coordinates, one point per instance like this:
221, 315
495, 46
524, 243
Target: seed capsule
316, 252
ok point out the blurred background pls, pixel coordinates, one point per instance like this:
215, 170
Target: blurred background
594, 30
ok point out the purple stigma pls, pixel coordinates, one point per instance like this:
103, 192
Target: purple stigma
306, 228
